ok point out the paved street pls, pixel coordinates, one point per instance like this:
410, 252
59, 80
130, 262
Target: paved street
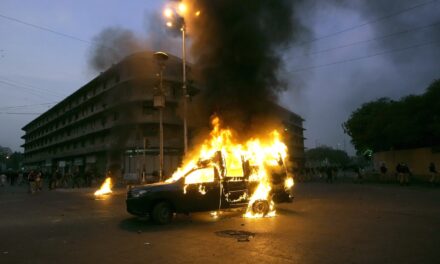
339, 223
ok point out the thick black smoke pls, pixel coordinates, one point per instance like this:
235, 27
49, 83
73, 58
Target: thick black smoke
236, 49
111, 45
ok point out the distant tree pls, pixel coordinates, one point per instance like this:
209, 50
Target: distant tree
9, 159
324, 154
15, 161
384, 124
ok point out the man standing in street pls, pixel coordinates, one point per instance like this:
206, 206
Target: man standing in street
434, 174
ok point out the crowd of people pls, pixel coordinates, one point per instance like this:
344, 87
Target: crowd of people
36, 178
401, 174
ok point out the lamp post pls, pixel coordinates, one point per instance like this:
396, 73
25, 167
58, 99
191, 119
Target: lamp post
177, 16
185, 93
159, 102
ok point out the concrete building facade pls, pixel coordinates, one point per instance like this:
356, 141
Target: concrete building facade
111, 123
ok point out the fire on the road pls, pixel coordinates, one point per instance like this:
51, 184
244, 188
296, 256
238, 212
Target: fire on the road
262, 153
106, 187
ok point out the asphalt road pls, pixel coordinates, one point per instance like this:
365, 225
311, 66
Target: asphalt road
339, 223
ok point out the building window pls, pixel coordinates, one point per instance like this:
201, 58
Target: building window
147, 108
103, 121
115, 116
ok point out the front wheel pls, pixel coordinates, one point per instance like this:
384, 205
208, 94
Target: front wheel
261, 207
162, 213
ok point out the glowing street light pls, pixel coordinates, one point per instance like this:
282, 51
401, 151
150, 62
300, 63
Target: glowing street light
168, 12
182, 8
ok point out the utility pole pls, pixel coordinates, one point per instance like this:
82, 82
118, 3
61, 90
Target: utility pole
185, 94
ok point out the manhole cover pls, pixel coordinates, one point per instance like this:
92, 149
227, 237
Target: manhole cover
240, 235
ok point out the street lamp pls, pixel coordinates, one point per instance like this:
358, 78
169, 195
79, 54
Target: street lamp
177, 16
159, 102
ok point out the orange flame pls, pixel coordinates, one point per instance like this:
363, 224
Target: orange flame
106, 187
263, 153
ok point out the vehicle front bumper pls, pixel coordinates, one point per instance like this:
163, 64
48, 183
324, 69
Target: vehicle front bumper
138, 206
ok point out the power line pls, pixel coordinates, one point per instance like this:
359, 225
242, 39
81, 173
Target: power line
44, 28
375, 20
24, 106
30, 90
11, 113
33, 87
374, 39
363, 57
59, 33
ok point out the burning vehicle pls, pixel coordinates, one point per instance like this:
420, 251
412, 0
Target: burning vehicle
221, 174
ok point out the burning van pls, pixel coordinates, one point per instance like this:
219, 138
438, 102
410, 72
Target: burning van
221, 174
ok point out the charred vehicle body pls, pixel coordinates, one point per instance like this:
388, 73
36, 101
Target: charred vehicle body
208, 187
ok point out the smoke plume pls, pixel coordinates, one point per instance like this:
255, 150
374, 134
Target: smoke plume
236, 49
111, 45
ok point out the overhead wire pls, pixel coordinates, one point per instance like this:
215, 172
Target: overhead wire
363, 57
45, 90
30, 90
374, 20
12, 113
44, 28
375, 38
26, 106
56, 32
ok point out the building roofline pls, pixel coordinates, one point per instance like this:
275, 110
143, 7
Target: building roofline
290, 111
94, 80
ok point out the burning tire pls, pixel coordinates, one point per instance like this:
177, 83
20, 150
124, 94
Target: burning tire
261, 207
162, 213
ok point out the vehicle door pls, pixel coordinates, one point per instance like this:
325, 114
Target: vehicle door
235, 191
201, 190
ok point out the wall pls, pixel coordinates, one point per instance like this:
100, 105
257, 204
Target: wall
417, 159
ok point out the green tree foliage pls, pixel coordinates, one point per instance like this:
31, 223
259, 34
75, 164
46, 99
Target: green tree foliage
10, 160
328, 155
384, 124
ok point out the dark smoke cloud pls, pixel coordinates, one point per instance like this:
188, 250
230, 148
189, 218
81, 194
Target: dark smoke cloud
236, 47
332, 93
111, 45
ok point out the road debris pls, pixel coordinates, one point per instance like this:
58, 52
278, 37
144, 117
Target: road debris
240, 235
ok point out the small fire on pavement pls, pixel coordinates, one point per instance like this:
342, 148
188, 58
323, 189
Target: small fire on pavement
106, 188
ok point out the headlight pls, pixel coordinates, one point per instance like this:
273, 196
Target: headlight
139, 193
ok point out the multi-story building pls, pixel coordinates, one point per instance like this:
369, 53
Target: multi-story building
293, 127
111, 123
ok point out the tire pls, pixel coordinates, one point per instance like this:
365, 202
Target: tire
162, 213
261, 207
